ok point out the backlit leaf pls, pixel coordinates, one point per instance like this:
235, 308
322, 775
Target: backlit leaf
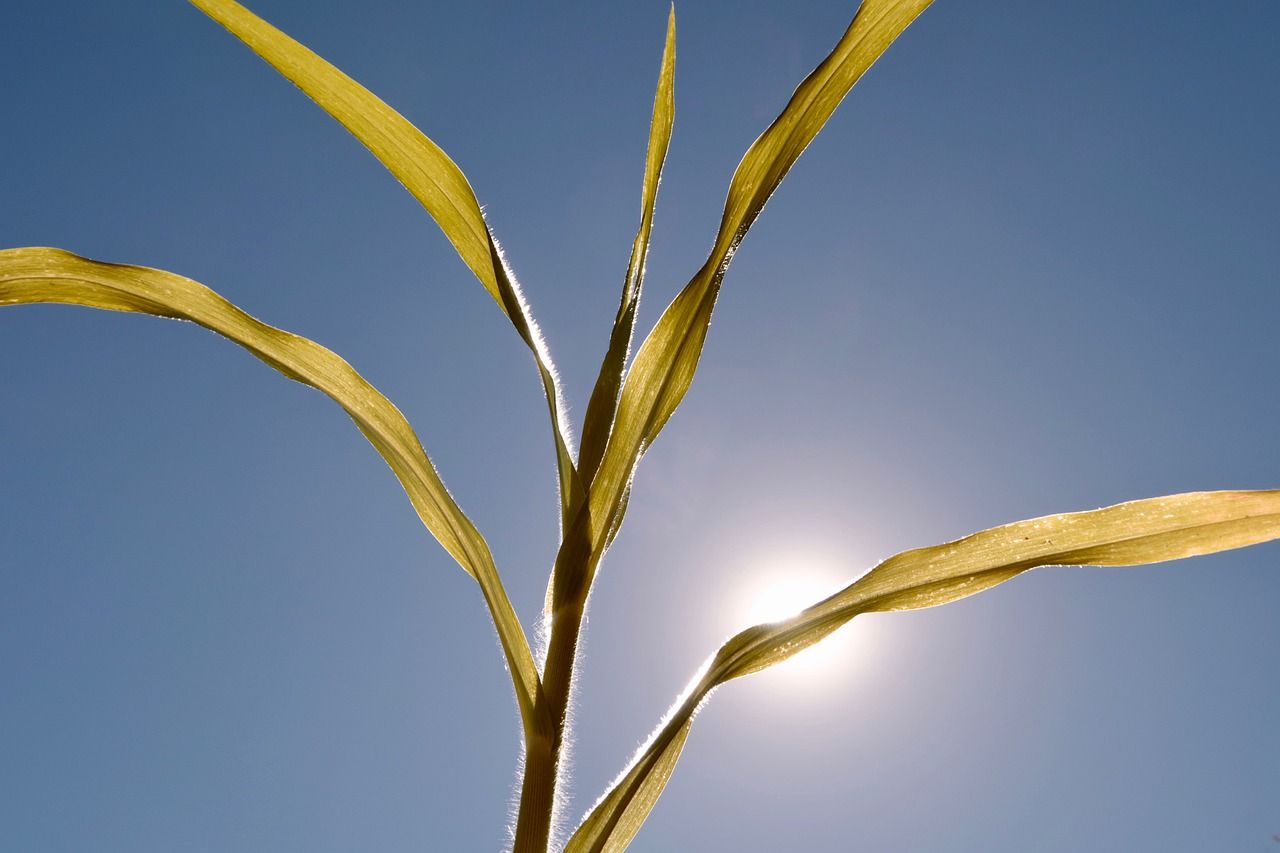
664, 367
40, 275
603, 406
1145, 531
430, 176
604, 397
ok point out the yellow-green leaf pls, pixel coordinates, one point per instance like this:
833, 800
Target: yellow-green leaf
665, 364
604, 396
430, 176
41, 275
1145, 531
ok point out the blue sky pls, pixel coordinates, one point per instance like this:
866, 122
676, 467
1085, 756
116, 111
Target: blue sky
1030, 266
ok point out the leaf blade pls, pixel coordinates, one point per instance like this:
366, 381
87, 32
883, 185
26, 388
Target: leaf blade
430, 176
604, 396
45, 275
1133, 533
667, 360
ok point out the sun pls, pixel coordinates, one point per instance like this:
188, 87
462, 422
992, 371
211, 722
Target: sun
784, 596
784, 591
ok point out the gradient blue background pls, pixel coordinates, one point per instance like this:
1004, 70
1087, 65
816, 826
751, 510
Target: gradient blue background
1030, 266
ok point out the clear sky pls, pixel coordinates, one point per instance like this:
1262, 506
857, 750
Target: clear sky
1029, 267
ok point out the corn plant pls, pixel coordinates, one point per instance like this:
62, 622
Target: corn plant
634, 396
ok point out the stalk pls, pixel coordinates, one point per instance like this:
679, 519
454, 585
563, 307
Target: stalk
537, 796
542, 758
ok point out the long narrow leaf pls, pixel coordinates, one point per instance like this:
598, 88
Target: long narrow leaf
430, 176
41, 275
1145, 531
604, 396
665, 364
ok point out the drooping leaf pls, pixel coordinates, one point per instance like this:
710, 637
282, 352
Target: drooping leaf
42, 275
604, 396
430, 176
664, 367
1145, 531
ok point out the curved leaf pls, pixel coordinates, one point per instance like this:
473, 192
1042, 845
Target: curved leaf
430, 176
36, 275
1145, 531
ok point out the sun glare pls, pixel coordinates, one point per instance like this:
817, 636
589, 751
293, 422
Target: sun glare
785, 592
783, 597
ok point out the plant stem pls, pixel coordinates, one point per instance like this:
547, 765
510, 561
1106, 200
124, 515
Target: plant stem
537, 797
542, 757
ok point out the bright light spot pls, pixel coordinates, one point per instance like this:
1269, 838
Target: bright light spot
784, 592
783, 597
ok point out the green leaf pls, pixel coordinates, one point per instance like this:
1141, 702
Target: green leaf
665, 364
604, 396
431, 177
40, 275
1145, 531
